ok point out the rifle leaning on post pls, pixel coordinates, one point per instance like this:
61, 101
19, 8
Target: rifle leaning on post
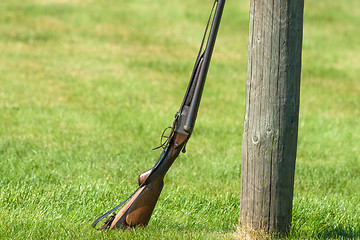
137, 211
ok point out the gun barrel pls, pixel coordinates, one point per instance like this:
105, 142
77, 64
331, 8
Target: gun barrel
194, 107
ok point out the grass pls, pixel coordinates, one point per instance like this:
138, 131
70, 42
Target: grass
86, 88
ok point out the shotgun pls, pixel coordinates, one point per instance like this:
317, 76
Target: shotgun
141, 203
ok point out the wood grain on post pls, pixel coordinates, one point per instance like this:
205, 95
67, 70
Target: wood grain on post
271, 114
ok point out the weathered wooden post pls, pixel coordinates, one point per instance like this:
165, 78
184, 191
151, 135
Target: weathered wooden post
272, 112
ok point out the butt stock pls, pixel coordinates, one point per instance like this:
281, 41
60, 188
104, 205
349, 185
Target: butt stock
138, 210
140, 205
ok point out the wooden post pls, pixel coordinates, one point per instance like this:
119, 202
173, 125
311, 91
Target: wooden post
271, 114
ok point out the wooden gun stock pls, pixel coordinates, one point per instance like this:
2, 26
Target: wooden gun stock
137, 211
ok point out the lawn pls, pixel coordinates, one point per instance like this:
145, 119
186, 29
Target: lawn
86, 88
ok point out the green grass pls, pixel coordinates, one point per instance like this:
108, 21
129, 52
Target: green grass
86, 88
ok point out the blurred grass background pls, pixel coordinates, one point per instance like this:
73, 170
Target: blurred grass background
86, 88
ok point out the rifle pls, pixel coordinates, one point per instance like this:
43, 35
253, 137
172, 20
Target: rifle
137, 211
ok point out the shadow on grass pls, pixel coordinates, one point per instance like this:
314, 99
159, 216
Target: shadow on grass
339, 232
330, 231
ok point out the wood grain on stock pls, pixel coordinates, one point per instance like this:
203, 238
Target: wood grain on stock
140, 212
137, 212
119, 220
